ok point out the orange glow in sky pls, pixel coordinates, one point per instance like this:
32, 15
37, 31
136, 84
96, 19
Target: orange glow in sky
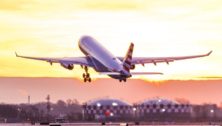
157, 27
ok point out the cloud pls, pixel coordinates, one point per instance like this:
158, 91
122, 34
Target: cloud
113, 5
210, 77
13, 5
64, 5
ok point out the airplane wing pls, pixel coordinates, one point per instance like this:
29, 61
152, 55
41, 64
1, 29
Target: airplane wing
155, 60
65, 60
132, 73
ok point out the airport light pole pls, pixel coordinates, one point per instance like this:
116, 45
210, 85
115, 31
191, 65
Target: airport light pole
48, 107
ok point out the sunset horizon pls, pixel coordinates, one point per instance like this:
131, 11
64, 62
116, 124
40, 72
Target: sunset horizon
17, 90
159, 28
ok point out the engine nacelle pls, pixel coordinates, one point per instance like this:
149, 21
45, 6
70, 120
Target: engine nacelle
132, 67
67, 66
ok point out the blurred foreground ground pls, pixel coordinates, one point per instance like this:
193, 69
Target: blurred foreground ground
97, 124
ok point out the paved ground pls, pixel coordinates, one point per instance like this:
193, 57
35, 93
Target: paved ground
93, 124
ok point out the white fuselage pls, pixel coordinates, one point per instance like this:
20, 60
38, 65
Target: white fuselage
90, 47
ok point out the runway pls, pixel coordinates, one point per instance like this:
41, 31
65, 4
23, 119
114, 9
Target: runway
98, 124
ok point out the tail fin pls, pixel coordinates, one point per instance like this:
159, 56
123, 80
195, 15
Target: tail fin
128, 58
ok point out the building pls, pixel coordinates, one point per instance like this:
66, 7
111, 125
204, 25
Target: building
162, 110
107, 109
151, 110
206, 112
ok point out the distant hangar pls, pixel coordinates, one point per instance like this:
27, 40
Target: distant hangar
151, 109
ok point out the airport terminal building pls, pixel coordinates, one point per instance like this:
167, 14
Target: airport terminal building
148, 110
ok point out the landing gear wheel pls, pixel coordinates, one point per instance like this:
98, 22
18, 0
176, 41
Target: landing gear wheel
87, 75
124, 80
85, 79
89, 79
84, 75
120, 80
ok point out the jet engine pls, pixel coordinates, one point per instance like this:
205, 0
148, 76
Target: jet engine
67, 66
132, 67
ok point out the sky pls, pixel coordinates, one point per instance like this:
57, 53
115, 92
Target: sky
157, 27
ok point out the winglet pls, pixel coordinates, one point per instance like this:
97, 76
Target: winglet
209, 53
16, 54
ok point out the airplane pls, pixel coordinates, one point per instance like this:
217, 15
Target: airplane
104, 62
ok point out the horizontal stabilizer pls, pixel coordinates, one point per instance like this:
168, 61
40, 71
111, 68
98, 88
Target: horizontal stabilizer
109, 73
145, 73
132, 73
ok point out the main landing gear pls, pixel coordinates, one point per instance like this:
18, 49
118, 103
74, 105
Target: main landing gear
124, 80
86, 75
